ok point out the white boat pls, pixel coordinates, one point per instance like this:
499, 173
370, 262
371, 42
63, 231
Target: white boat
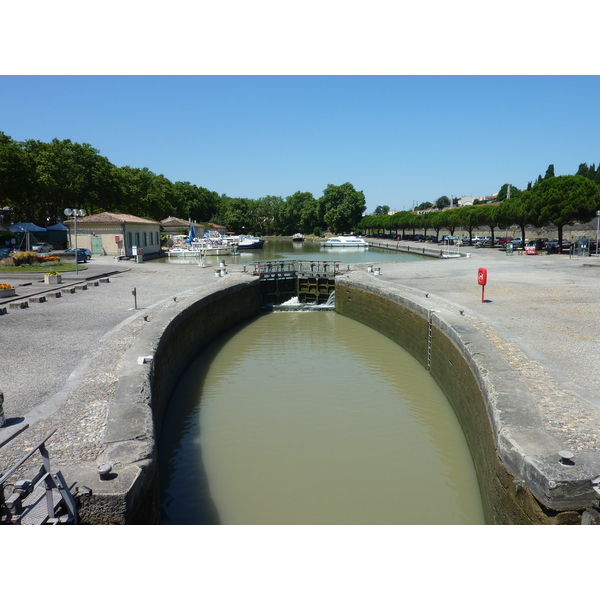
344, 241
199, 250
249, 242
297, 237
206, 246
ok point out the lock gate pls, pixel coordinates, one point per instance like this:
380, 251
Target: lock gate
309, 281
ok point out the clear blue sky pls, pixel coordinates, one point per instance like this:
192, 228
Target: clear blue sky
399, 139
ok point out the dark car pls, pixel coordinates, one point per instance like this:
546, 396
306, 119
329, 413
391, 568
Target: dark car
81, 252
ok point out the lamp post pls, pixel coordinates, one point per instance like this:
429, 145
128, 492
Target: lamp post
75, 212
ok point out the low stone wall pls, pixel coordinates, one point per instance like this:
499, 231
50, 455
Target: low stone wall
521, 478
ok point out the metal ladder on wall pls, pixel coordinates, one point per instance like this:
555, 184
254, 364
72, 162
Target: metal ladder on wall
43, 500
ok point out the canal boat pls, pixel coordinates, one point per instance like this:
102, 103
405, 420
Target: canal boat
206, 246
250, 242
201, 250
344, 241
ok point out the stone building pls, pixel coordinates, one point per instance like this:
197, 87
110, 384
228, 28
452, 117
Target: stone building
116, 234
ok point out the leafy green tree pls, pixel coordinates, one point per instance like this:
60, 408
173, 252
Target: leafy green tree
442, 202
564, 200
237, 215
341, 207
382, 210
70, 174
489, 218
300, 213
516, 211
503, 193
549, 172
196, 203
469, 217
17, 177
424, 206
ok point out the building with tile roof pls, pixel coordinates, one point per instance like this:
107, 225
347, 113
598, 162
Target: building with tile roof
116, 234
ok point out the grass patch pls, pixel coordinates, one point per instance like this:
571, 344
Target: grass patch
41, 268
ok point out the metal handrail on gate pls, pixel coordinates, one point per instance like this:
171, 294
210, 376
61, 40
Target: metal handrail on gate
21, 502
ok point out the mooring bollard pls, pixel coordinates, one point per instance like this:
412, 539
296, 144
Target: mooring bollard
104, 471
2, 418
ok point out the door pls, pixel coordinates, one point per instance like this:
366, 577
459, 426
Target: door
97, 245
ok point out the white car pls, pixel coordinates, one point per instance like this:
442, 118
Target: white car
43, 247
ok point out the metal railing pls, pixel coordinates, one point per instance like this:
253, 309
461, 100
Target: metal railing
25, 504
293, 268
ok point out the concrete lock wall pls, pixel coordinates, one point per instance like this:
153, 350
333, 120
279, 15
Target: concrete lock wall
520, 478
147, 376
516, 460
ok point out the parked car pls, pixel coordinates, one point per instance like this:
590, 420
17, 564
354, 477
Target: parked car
5, 253
449, 239
504, 240
42, 247
483, 240
87, 253
538, 244
517, 243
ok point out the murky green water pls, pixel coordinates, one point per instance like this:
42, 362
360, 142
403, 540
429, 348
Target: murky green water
313, 418
287, 250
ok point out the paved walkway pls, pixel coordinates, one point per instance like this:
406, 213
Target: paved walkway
59, 358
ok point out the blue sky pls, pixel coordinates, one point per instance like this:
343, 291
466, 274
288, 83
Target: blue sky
399, 139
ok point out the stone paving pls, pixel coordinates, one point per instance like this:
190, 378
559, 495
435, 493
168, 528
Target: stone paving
59, 358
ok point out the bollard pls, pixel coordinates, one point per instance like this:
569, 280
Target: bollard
2, 417
104, 471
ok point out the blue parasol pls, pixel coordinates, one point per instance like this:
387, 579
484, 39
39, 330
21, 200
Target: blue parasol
192, 235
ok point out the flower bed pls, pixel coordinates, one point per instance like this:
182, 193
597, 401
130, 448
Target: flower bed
7, 290
53, 277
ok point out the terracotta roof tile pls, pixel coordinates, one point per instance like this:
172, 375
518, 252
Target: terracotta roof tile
107, 217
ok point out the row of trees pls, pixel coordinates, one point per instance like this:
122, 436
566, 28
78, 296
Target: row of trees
556, 201
38, 180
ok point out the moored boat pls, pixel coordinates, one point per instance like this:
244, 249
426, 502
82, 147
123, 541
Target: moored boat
297, 237
249, 242
344, 241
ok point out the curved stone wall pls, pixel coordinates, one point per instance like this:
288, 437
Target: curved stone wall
516, 459
147, 375
521, 478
